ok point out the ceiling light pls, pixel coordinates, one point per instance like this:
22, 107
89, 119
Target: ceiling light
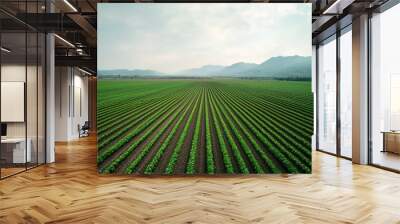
70, 5
5, 50
65, 41
86, 72
79, 51
337, 7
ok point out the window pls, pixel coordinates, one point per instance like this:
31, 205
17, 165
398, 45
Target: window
346, 93
385, 89
327, 96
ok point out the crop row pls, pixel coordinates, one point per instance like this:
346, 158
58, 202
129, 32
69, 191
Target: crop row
115, 114
153, 127
224, 124
127, 138
270, 120
270, 139
130, 121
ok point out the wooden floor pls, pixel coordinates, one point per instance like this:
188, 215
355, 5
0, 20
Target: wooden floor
387, 159
5, 172
71, 191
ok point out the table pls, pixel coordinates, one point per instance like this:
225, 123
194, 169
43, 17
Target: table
391, 141
13, 150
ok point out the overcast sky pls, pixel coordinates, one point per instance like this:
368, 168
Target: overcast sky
173, 37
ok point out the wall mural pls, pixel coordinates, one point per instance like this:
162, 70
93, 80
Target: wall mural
189, 89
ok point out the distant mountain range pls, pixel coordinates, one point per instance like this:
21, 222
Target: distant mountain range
135, 72
275, 67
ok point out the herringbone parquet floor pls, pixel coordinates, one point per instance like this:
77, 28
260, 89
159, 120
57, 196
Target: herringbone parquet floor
71, 191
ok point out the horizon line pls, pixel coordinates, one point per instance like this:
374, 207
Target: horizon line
149, 69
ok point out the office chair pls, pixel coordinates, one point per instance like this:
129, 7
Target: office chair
84, 130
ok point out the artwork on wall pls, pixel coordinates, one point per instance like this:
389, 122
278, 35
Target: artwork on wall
204, 89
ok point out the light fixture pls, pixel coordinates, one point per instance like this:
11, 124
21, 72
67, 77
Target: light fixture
79, 51
337, 7
84, 71
65, 41
70, 5
5, 50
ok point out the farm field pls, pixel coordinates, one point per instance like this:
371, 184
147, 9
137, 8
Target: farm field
204, 126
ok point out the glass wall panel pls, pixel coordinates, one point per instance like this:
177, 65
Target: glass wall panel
34, 45
385, 89
346, 94
31, 97
14, 153
22, 90
327, 96
41, 98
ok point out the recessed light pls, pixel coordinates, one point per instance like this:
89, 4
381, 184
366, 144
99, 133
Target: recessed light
64, 40
86, 72
70, 5
5, 50
337, 7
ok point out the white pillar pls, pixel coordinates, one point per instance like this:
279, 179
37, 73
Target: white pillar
50, 92
50, 99
360, 89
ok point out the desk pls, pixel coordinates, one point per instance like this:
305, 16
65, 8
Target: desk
15, 148
391, 141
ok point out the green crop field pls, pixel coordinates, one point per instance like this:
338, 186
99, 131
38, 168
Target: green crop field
204, 126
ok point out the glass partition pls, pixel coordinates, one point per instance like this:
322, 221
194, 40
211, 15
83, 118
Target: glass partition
14, 153
41, 97
22, 88
385, 89
327, 96
31, 99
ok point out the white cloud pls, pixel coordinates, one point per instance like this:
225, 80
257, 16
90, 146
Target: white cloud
171, 37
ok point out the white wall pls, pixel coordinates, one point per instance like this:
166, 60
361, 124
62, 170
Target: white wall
14, 73
17, 73
70, 83
13, 101
79, 103
62, 82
